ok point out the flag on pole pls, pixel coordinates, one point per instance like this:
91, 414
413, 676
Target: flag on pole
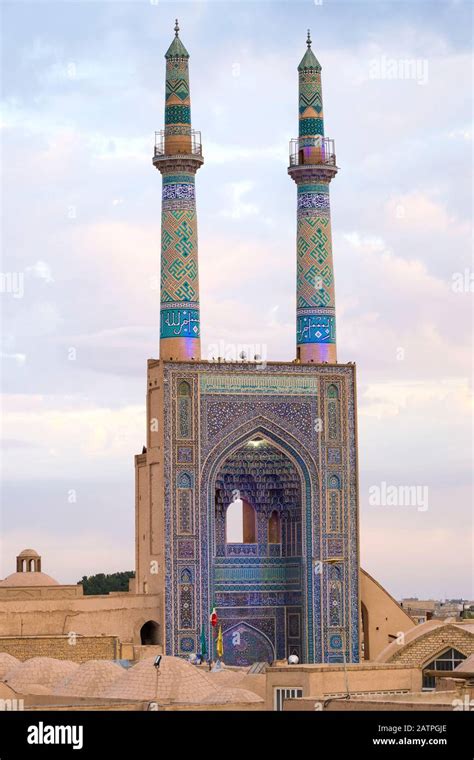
203, 643
213, 616
220, 644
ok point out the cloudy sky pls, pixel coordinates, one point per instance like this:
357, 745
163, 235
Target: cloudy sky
82, 93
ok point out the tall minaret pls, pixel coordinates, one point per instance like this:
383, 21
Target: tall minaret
312, 166
178, 156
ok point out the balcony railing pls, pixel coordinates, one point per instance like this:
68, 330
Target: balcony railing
195, 143
312, 150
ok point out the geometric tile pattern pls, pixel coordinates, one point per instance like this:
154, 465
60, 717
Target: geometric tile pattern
177, 81
314, 261
179, 271
311, 127
315, 322
177, 104
177, 115
310, 106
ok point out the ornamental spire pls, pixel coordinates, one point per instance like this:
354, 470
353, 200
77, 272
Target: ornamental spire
309, 60
176, 49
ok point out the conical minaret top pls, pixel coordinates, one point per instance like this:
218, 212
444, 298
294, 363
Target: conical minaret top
311, 121
312, 166
178, 156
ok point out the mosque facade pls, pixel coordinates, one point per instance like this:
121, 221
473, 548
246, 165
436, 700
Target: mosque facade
247, 489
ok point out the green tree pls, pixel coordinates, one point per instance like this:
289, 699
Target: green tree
104, 584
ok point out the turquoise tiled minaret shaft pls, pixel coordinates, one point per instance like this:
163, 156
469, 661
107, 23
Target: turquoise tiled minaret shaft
312, 166
178, 156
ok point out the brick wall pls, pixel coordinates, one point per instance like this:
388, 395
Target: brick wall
85, 647
419, 652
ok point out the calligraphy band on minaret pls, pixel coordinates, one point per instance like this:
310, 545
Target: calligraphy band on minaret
178, 156
312, 166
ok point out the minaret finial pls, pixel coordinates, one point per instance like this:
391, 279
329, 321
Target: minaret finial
176, 28
308, 39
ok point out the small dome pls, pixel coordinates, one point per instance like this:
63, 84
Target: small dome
91, 679
231, 695
28, 579
45, 672
176, 681
7, 662
28, 553
225, 677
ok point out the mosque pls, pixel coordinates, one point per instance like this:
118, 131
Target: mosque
271, 446
247, 488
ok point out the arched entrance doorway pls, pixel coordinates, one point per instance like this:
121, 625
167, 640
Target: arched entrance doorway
150, 633
258, 564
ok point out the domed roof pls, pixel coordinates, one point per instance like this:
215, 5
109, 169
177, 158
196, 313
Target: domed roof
28, 579
7, 662
90, 679
226, 677
231, 695
45, 672
6, 692
28, 553
176, 681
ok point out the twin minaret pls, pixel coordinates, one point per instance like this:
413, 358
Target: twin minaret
312, 166
178, 156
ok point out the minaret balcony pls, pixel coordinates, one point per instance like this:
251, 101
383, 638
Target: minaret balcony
180, 148
312, 150
312, 157
191, 143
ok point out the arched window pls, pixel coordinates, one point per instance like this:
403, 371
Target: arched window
274, 533
240, 522
443, 662
150, 633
